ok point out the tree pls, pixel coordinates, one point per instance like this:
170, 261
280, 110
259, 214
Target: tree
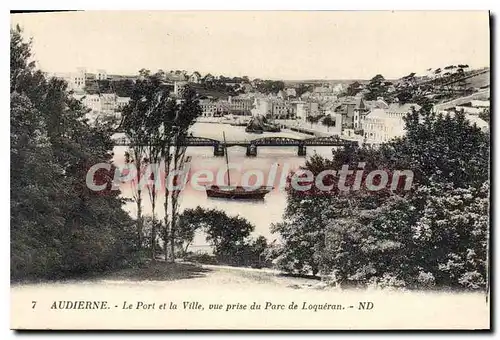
259, 248
407, 89
189, 222
313, 119
158, 125
301, 89
270, 86
135, 125
485, 115
144, 72
328, 121
123, 87
154, 150
188, 111
59, 226
227, 234
378, 87
434, 234
160, 74
354, 88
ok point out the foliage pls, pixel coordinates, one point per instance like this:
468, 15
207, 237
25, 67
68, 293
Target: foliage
270, 86
378, 87
157, 123
328, 121
122, 87
435, 234
228, 235
354, 88
303, 88
59, 227
224, 85
313, 119
485, 115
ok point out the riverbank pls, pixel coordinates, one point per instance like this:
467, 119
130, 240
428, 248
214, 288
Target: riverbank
223, 120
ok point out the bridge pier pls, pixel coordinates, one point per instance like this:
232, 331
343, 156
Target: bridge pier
302, 150
251, 150
218, 150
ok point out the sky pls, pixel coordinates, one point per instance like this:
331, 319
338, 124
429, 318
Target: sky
289, 45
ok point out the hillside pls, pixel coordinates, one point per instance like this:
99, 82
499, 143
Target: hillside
480, 80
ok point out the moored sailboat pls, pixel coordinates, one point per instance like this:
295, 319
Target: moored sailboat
236, 191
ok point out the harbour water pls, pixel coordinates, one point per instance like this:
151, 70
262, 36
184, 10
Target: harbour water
260, 213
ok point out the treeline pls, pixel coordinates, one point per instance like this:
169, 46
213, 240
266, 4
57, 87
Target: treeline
446, 83
121, 87
434, 235
59, 227
270, 86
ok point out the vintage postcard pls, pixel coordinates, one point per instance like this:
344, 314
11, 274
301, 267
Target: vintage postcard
282, 170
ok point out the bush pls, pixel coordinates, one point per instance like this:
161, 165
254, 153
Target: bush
202, 258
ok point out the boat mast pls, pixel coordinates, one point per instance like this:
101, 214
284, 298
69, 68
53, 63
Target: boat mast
227, 160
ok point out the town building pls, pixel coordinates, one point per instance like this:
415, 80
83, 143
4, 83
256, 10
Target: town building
480, 103
240, 106
261, 106
385, 121
281, 109
101, 75
346, 106
291, 92
304, 109
323, 93
361, 109
121, 102
77, 81
180, 76
102, 105
195, 78
209, 107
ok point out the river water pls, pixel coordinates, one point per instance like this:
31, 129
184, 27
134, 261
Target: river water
260, 213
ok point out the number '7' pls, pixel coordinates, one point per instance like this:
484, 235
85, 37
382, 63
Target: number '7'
34, 304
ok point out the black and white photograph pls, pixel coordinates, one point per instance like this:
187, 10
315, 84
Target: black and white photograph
258, 170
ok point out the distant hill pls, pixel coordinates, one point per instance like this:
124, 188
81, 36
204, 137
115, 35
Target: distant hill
480, 80
294, 83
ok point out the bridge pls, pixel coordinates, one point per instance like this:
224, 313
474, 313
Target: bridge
252, 145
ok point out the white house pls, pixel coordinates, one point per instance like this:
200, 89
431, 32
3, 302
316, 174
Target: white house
208, 107
106, 104
101, 75
385, 121
195, 78
261, 106
290, 92
480, 103
470, 110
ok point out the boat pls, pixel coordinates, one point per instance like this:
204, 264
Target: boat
238, 124
253, 130
236, 191
259, 124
